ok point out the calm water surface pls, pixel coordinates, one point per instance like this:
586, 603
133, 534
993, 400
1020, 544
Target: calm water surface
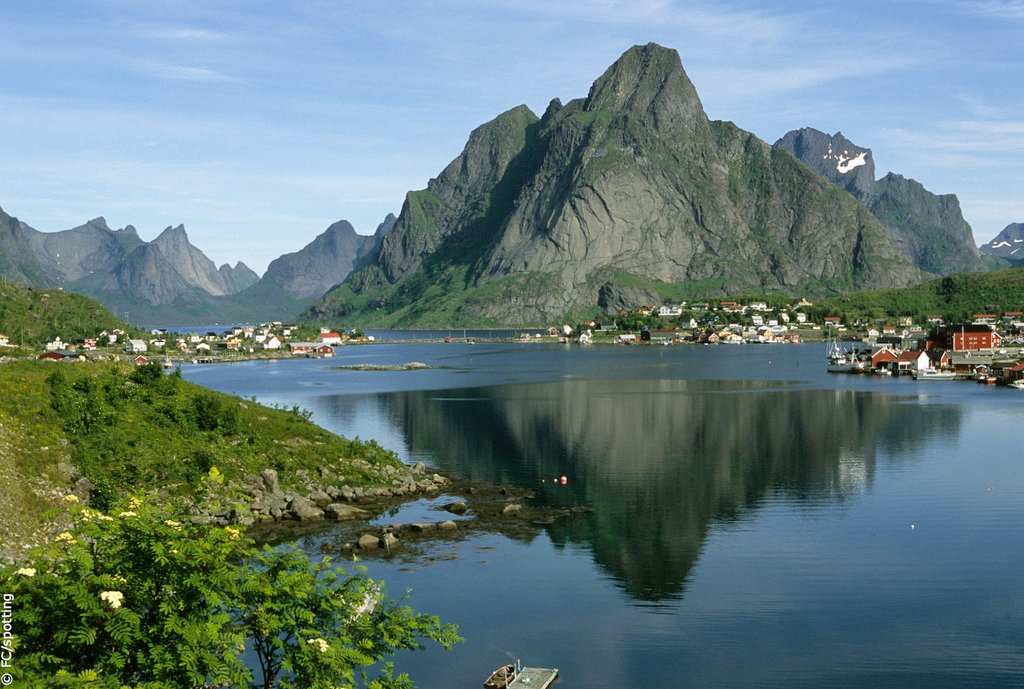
755, 521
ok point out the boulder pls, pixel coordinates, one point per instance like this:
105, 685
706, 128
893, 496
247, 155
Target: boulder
340, 512
448, 525
421, 527
321, 498
458, 507
514, 508
270, 481
368, 541
305, 513
390, 541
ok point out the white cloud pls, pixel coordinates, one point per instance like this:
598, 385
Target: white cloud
175, 72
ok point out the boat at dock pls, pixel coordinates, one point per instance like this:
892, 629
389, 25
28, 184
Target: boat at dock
933, 374
518, 677
840, 361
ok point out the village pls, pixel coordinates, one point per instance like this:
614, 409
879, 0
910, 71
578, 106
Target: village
989, 347
266, 340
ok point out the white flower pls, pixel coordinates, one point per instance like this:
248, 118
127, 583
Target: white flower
65, 537
71, 497
319, 643
127, 514
112, 598
26, 572
173, 524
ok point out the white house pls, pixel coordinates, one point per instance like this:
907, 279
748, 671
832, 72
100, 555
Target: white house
136, 346
670, 311
273, 342
54, 344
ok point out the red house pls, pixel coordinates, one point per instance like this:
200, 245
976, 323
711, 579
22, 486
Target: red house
882, 358
964, 337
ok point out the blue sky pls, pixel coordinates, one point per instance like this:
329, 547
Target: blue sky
257, 124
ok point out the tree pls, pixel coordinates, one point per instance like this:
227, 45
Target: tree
138, 599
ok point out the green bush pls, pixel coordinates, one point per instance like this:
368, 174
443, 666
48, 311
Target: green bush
137, 599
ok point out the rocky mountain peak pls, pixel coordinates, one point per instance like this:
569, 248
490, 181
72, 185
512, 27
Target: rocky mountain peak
1007, 244
648, 82
835, 157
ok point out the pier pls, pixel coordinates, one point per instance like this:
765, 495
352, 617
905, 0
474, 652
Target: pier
534, 678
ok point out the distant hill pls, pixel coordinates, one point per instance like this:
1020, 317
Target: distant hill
30, 316
928, 229
958, 297
617, 199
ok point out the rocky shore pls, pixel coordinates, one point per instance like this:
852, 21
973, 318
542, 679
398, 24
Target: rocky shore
260, 497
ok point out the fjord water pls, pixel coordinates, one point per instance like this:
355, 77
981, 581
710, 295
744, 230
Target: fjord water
753, 521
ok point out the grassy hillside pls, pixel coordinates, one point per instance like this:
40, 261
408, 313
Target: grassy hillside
128, 429
30, 316
957, 297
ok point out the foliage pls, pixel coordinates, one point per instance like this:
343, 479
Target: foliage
137, 599
135, 429
956, 297
30, 316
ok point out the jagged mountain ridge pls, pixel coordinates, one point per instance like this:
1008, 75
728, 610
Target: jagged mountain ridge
330, 258
628, 195
1007, 244
167, 281
927, 228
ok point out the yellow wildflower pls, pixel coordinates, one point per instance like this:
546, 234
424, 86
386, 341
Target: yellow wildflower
127, 514
26, 572
233, 531
65, 537
173, 524
71, 497
320, 644
112, 598
135, 503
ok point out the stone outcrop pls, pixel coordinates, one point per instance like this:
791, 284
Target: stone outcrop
265, 499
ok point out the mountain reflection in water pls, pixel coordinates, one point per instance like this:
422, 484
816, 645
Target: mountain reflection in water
658, 461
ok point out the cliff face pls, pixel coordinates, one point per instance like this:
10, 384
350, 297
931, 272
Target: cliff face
621, 194
926, 228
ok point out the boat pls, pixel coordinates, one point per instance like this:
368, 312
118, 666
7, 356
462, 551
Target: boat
1017, 384
883, 371
933, 374
843, 362
519, 677
501, 677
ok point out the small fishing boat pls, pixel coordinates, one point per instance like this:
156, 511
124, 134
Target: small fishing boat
501, 677
1017, 384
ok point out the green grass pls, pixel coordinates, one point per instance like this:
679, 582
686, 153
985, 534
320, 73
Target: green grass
130, 430
30, 316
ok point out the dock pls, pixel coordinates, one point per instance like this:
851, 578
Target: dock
534, 678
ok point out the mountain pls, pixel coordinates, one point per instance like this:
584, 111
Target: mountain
17, 259
621, 198
168, 281
327, 260
928, 229
238, 278
1007, 244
